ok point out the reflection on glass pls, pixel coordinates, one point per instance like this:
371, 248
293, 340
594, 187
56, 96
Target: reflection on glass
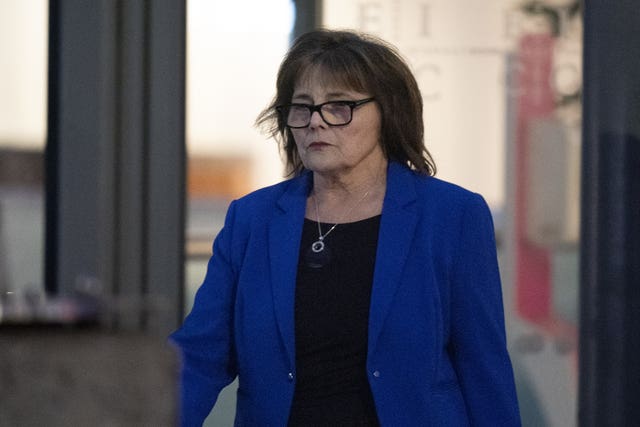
542, 252
23, 56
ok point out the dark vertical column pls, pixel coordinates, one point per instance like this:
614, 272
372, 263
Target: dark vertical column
308, 16
116, 157
51, 153
166, 159
610, 264
130, 255
80, 136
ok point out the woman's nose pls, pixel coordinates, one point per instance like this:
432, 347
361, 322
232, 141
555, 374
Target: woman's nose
316, 119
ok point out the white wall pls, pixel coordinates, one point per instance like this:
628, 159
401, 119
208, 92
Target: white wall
23, 72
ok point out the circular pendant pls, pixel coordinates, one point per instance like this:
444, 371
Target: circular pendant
317, 256
317, 246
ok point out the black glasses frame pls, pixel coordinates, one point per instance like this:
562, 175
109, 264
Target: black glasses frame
284, 109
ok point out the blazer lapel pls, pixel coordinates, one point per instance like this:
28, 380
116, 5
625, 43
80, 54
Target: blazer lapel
397, 225
284, 245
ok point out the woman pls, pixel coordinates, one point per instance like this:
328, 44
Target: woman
362, 291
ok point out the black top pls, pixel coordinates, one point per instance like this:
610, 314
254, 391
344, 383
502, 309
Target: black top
333, 294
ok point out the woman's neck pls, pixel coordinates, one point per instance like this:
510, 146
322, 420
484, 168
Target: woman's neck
347, 198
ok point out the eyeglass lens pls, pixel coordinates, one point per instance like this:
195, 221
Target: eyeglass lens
334, 113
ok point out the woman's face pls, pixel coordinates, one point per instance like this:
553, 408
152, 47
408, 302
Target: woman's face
337, 150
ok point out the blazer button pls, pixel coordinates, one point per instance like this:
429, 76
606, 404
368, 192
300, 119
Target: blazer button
376, 374
290, 376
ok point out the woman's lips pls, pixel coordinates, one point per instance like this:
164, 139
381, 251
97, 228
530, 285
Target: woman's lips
318, 144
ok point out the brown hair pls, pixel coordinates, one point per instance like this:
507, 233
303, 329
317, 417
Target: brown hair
363, 63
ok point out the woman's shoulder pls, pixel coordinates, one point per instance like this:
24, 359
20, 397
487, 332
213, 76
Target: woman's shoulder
436, 191
444, 188
450, 206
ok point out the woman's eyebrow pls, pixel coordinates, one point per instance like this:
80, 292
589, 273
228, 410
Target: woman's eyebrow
336, 95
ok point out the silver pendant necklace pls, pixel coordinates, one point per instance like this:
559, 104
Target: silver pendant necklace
319, 246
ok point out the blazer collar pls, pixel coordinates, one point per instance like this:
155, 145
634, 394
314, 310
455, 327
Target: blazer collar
285, 232
397, 226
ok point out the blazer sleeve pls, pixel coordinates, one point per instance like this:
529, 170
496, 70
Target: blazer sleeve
478, 340
205, 340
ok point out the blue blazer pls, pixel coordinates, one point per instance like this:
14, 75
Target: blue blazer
436, 347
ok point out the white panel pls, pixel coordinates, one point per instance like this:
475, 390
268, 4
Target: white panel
23, 72
553, 188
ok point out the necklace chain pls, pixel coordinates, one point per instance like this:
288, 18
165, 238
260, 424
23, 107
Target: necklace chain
318, 245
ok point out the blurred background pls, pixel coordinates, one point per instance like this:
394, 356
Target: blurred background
126, 128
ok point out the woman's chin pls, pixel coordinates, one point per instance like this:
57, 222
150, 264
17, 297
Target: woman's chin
320, 164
